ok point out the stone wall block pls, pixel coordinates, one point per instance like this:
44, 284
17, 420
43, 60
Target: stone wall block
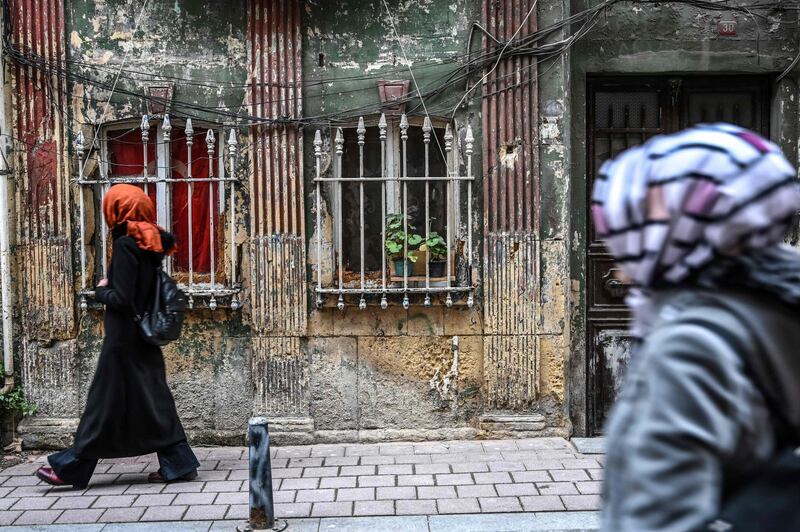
233, 385
554, 283
334, 382
553, 351
426, 321
370, 322
51, 378
401, 382
462, 320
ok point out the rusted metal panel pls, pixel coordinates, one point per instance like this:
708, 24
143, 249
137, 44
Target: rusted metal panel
41, 178
278, 297
280, 370
514, 270
510, 207
277, 240
510, 358
511, 386
510, 124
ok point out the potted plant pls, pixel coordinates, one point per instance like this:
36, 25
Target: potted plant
437, 254
400, 247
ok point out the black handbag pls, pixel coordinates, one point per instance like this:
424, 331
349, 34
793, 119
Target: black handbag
162, 321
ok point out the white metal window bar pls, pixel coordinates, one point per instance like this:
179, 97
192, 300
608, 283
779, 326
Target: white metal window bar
391, 183
217, 287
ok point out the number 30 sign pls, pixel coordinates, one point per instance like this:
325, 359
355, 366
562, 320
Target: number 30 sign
726, 28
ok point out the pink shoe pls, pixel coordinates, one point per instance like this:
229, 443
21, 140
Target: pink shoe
49, 476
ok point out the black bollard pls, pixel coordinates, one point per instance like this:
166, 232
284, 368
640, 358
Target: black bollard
262, 510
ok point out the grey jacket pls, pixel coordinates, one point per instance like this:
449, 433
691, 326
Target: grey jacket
691, 419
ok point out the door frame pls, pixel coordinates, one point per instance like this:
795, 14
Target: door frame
669, 86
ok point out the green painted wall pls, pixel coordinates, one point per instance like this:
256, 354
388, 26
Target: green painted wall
357, 44
201, 47
200, 44
667, 39
349, 45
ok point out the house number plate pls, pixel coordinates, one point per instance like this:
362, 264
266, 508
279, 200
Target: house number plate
726, 28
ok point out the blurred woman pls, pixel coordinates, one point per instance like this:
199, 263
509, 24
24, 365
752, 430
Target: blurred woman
129, 410
703, 433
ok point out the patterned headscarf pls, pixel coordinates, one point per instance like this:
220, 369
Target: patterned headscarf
670, 207
129, 204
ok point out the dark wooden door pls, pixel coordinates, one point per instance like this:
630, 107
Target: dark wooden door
624, 112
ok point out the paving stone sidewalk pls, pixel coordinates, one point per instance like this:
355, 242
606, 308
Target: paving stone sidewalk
323, 481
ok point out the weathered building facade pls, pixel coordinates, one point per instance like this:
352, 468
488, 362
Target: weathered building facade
277, 137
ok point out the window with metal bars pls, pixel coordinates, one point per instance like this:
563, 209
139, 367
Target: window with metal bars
182, 168
396, 188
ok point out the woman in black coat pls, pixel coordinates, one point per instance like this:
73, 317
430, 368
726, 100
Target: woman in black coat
130, 410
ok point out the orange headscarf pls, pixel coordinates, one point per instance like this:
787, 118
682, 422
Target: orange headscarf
129, 204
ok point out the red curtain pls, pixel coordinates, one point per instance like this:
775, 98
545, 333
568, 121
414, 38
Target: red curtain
127, 158
200, 223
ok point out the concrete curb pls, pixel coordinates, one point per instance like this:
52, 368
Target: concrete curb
509, 522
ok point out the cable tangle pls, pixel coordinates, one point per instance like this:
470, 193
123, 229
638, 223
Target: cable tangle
544, 44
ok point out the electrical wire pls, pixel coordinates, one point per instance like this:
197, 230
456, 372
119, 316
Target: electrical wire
257, 120
791, 66
463, 66
499, 58
137, 21
413, 77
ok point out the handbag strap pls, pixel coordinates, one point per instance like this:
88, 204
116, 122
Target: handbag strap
158, 280
137, 316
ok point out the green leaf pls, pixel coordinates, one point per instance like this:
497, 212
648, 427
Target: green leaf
394, 247
14, 401
436, 245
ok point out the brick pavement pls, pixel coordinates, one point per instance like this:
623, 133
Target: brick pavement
323, 481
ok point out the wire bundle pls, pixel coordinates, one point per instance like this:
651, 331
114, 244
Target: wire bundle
544, 44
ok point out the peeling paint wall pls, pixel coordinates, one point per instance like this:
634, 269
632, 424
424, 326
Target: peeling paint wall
209, 367
199, 46
403, 355
43, 225
666, 40
393, 372
277, 251
322, 374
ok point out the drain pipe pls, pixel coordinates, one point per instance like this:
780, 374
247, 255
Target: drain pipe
5, 248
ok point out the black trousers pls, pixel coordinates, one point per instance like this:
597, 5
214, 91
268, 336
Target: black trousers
174, 461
